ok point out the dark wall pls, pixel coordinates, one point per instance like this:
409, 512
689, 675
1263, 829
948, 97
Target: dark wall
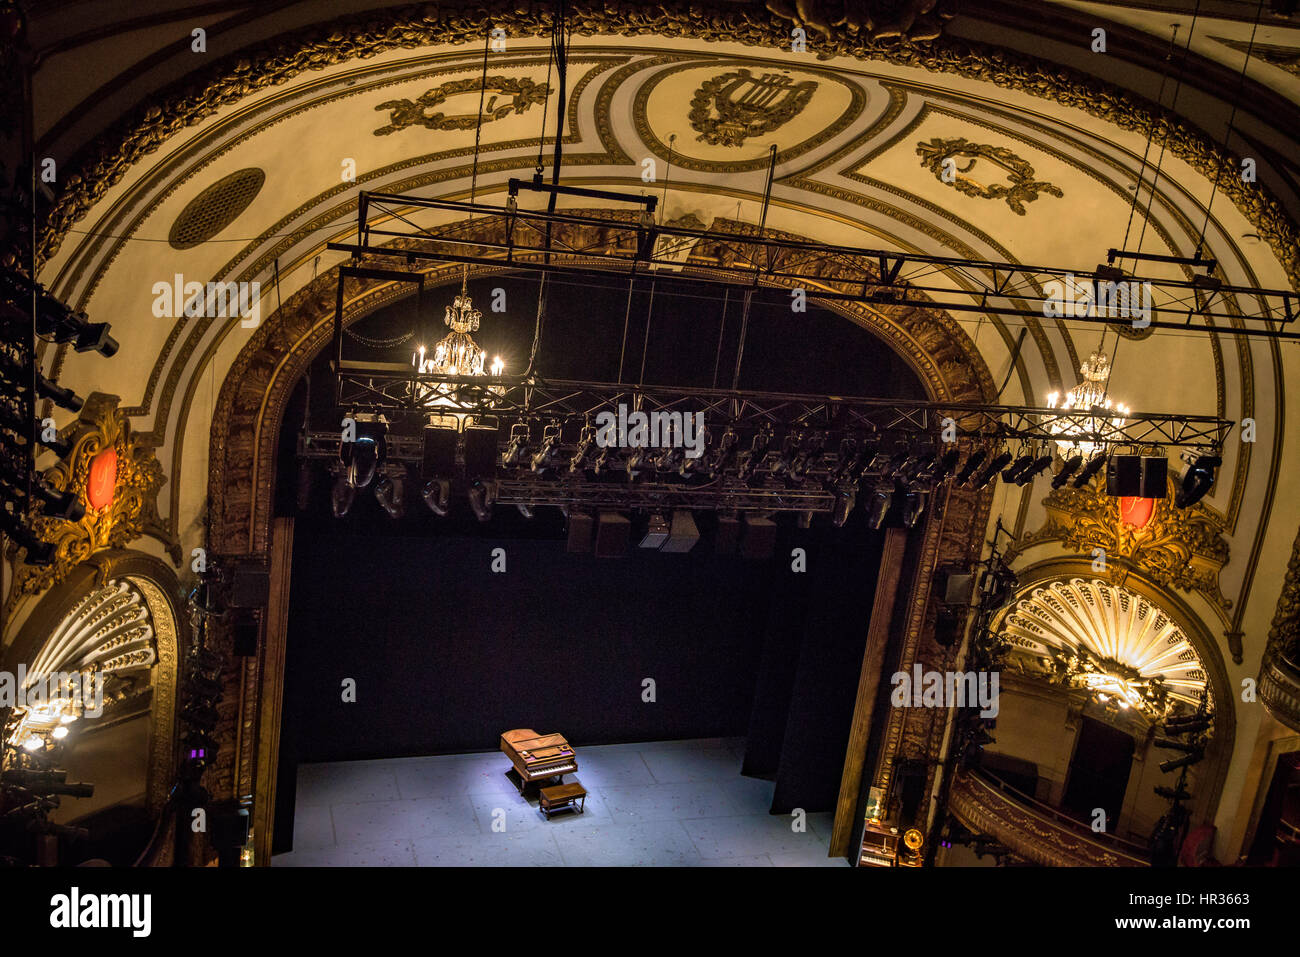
447, 654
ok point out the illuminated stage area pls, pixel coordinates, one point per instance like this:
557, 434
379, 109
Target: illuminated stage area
662, 803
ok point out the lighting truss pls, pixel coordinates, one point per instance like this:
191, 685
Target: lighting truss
397, 387
633, 245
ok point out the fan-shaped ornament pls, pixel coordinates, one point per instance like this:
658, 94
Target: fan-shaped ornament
1091, 634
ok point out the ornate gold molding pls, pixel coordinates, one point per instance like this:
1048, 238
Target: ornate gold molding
104, 163
523, 93
1031, 834
116, 476
1279, 672
737, 118
874, 19
1178, 548
939, 156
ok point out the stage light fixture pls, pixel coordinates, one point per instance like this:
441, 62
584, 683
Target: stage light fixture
986, 474
636, 463
943, 465
525, 510
514, 453
1187, 760
1197, 480
546, 452
972, 463
1022, 462
757, 452
1095, 465
846, 497
342, 494
586, 442
366, 455
1070, 466
914, 506
785, 458
1035, 468
480, 500
881, 498
601, 461
390, 493
64, 505
437, 496
725, 456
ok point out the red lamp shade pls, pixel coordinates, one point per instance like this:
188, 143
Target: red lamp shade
1136, 511
102, 479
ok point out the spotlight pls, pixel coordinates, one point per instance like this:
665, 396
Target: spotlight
514, 452
437, 495
846, 498
1187, 760
342, 494
848, 452
944, 464
525, 510
914, 506
480, 500
63, 398
586, 442
1012, 472
635, 463
1197, 480
785, 460
973, 462
601, 461
1070, 466
58, 504
881, 499
986, 474
726, 454
550, 442
389, 493
810, 453
1095, 465
364, 456
757, 452
1187, 724
1033, 470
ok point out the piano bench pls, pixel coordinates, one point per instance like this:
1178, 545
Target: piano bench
572, 795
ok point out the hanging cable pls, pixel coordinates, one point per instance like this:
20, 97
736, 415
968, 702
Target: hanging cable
1160, 101
1232, 118
627, 314
478, 135
645, 345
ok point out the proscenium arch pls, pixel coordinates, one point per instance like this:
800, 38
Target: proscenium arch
1219, 751
250, 409
158, 584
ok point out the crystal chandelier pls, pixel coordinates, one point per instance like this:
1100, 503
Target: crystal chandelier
1110, 682
456, 354
1088, 395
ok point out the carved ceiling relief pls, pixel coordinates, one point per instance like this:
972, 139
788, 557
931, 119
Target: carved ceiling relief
1177, 548
872, 19
116, 476
952, 160
731, 107
501, 96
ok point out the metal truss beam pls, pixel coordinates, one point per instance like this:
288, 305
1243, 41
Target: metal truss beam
633, 246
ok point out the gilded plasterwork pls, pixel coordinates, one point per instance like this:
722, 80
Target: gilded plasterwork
521, 93
941, 157
1178, 548
731, 107
132, 511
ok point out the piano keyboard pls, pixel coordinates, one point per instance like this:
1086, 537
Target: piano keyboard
551, 771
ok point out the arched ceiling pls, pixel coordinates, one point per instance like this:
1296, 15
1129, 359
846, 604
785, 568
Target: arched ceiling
243, 163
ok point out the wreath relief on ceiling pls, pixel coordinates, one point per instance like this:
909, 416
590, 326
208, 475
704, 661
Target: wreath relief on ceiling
941, 157
519, 93
732, 107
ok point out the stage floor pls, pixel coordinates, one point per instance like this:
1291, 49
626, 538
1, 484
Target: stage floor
670, 803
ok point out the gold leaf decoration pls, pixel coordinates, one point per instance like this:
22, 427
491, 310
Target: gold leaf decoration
940, 155
132, 511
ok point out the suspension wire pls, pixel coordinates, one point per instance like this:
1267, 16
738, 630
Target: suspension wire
478, 134
1232, 118
722, 328
627, 313
645, 345
1160, 100
1164, 142
541, 139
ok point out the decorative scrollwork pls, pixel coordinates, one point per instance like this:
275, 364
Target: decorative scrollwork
939, 157
121, 507
874, 19
746, 105
522, 91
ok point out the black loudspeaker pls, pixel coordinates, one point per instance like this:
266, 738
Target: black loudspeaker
439, 452
582, 528
947, 626
248, 586
613, 535
728, 534
953, 585
760, 538
1138, 476
245, 632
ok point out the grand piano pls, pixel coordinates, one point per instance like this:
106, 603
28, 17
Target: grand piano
537, 757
